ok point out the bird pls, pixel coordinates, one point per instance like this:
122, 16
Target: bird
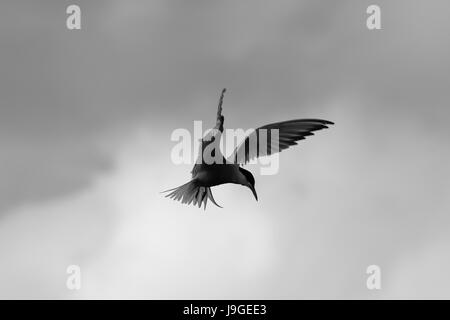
207, 174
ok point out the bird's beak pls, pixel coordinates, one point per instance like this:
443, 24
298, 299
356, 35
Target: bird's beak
254, 191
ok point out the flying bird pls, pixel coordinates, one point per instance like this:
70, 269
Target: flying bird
207, 174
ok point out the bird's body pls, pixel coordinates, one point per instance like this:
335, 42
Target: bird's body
210, 175
207, 174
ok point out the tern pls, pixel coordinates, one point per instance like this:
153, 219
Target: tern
207, 174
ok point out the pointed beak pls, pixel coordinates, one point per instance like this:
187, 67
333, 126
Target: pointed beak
254, 191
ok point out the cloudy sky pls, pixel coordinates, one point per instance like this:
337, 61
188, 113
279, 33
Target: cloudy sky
85, 123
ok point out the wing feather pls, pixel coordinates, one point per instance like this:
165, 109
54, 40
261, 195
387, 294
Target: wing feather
192, 193
289, 133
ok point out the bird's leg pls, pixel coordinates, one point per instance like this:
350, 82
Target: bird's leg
220, 118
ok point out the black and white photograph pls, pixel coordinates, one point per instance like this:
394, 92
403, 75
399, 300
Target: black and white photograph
252, 150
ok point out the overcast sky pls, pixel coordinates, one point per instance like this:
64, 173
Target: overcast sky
85, 123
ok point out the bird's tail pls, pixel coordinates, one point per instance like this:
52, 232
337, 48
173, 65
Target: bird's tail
192, 192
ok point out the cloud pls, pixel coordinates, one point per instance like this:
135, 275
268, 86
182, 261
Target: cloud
371, 190
130, 241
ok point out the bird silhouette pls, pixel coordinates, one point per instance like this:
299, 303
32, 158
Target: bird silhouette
207, 174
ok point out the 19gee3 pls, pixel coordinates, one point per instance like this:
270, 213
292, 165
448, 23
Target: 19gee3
246, 309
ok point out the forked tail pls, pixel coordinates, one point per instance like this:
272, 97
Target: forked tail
193, 193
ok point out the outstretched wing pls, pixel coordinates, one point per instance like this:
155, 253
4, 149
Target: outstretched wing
213, 136
275, 137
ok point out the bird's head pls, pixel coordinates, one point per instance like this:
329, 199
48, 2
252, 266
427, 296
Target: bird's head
249, 181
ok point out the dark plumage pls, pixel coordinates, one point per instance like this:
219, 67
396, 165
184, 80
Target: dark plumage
206, 175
